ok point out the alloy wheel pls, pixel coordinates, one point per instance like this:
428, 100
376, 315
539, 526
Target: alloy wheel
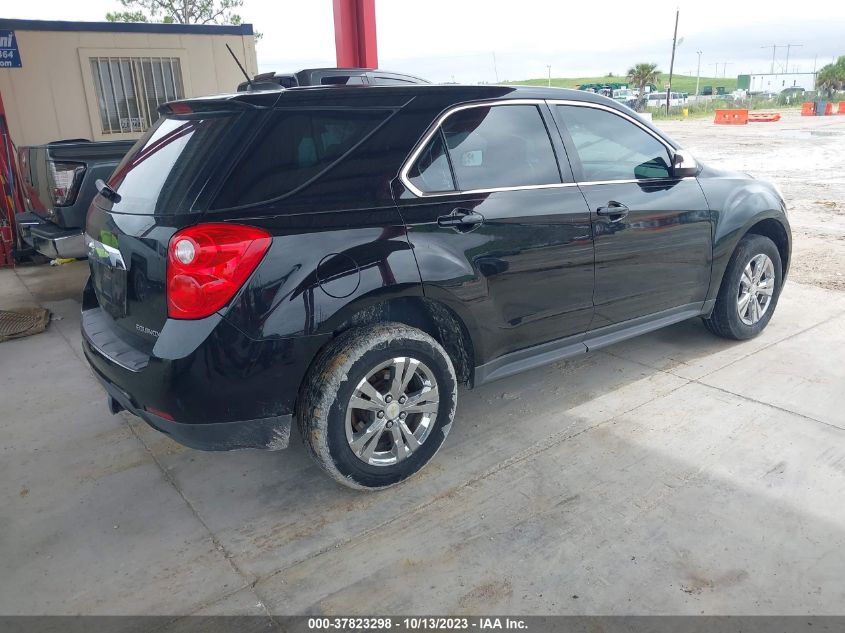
756, 287
392, 411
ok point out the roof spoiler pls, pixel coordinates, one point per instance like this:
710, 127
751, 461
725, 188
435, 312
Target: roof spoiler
190, 106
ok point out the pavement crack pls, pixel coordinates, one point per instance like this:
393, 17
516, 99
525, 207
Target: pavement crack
768, 404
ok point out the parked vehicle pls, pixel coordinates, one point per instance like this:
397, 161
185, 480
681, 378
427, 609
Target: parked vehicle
658, 99
347, 257
330, 77
627, 96
58, 185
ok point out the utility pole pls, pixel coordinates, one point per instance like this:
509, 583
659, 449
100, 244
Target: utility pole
550, 74
495, 68
698, 73
672, 63
774, 48
725, 69
789, 46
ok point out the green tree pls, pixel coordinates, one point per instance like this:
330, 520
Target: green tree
641, 75
178, 11
831, 78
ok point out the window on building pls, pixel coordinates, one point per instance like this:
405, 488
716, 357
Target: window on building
130, 89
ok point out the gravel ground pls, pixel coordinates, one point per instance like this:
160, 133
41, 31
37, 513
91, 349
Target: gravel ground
805, 156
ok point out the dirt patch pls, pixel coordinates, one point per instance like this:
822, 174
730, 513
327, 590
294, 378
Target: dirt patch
488, 594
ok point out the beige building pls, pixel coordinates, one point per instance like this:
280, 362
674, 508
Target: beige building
105, 81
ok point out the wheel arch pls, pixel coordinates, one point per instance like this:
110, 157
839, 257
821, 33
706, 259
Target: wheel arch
433, 317
775, 231
731, 228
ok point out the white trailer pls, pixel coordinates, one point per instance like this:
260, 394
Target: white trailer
778, 82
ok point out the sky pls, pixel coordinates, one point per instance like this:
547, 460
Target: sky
469, 41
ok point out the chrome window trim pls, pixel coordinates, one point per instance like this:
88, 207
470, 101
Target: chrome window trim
629, 118
642, 181
435, 127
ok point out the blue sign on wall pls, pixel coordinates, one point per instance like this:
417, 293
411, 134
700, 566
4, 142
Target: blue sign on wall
10, 56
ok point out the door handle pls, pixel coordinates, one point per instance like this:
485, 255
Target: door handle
461, 220
614, 210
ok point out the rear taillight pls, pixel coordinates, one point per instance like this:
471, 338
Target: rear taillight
208, 263
66, 179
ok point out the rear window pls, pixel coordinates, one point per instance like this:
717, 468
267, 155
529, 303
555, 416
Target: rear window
165, 170
293, 148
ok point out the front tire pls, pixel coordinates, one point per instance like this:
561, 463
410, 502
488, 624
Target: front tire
377, 404
750, 290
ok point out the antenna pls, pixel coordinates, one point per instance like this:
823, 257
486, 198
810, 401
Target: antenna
232, 53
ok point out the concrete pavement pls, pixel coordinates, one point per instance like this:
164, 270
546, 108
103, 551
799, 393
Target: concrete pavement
673, 473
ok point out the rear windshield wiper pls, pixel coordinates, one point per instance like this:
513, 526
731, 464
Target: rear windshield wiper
107, 192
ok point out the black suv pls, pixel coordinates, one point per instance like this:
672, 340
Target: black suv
346, 257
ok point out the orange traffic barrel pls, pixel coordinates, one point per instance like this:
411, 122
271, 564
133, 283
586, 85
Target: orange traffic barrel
841, 107
731, 117
808, 108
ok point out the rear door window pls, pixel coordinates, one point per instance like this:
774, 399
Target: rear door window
500, 146
431, 172
293, 148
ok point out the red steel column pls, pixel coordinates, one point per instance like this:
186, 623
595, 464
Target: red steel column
355, 33
11, 199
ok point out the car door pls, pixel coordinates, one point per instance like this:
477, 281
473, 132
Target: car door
652, 230
500, 231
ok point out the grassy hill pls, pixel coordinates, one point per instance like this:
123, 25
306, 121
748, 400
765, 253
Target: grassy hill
680, 83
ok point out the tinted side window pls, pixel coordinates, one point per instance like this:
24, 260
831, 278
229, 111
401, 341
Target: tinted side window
612, 148
292, 148
166, 168
431, 172
500, 146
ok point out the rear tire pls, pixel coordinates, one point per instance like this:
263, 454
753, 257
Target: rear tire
377, 404
753, 272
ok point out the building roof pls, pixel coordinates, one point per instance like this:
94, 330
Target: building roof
126, 27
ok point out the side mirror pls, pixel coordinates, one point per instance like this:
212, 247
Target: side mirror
683, 164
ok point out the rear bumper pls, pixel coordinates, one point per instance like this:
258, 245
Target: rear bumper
50, 239
203, 382
267, 433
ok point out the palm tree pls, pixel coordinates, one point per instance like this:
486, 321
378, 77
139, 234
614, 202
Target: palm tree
831, 78
641, 75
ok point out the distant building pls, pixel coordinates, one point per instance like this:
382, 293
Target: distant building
775, 83
105, 80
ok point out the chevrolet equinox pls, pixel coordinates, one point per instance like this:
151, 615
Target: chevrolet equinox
345, 257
